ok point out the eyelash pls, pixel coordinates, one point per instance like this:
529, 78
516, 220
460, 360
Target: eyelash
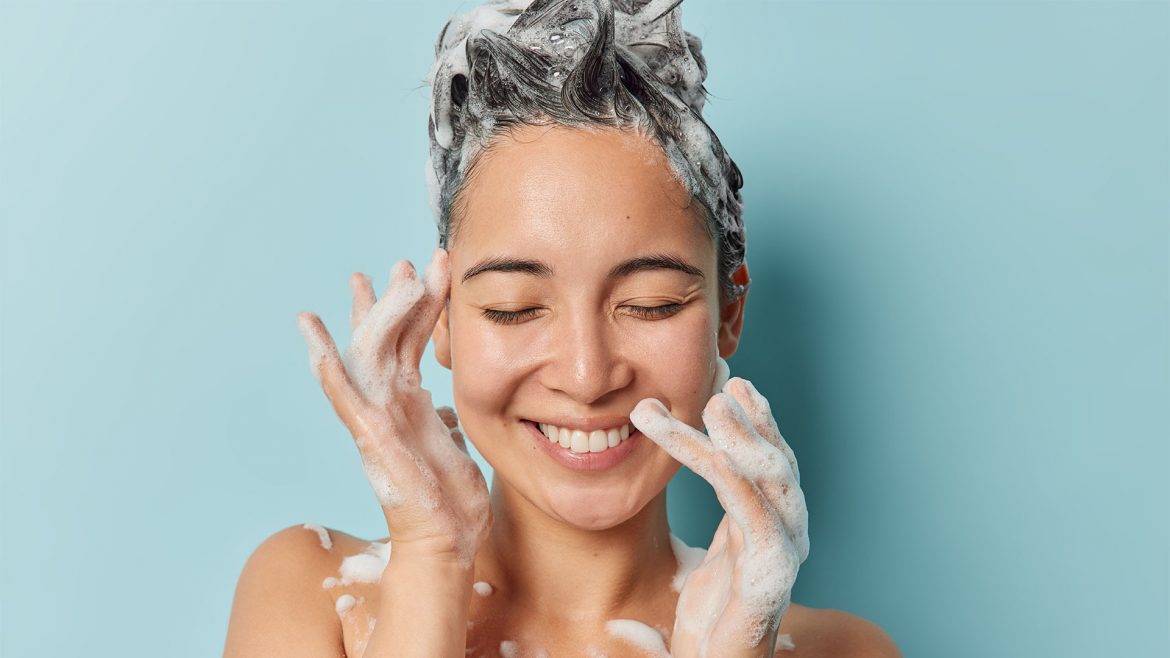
516, 317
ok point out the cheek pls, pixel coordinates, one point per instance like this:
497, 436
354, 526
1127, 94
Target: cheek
678, 359
487, 363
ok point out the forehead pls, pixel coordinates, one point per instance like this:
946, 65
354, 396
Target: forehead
603, 190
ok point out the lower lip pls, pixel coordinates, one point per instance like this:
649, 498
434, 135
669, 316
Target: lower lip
585, 461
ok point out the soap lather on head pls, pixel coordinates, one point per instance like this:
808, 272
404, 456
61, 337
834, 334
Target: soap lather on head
580, 63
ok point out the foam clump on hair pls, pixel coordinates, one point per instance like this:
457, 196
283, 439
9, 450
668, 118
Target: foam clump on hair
617, 63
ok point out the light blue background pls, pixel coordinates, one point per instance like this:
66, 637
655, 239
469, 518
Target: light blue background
957, 218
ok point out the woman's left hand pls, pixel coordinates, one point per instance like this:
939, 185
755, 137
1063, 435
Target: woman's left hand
732, 603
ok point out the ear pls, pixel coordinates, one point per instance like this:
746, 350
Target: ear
442, 337
731, 316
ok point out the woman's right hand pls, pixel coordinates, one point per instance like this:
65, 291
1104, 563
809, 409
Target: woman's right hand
433, 495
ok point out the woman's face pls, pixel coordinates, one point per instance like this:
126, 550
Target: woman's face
566, 238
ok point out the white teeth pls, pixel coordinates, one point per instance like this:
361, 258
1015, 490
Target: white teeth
580, 441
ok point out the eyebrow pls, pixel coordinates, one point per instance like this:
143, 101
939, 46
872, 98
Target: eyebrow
542, 270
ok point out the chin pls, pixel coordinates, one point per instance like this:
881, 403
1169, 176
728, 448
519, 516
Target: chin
588, 516
588, 509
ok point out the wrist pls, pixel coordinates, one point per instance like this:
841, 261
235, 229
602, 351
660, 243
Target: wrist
423, 606
412, 581
443, 560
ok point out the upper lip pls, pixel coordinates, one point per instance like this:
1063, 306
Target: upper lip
583, 423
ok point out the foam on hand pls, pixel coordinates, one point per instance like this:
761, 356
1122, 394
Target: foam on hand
775, 543
774, 527
376, 379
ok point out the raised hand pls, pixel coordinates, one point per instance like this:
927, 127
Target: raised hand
433, 495
732, 603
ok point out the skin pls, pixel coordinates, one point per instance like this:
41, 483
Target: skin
566, 552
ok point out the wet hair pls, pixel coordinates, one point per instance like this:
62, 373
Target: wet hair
624, 64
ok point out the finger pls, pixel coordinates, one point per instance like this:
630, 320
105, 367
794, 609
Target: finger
730, 430
379, 333
764, 591
448, 415
363, 299
774, 464
436, 285
328, 368
457, 437
738, 494
753, 458
719, 540
759, 411
681, 441
787, 499
384, 471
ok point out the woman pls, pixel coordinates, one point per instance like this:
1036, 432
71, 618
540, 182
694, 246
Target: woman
590, 281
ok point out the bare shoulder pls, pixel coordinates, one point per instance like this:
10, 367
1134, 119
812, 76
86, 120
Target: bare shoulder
829, 632
279, 606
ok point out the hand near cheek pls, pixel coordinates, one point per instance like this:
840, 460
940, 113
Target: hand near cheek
732, 603
432, 494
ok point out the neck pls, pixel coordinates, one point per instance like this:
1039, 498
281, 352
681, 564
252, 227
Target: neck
545, 567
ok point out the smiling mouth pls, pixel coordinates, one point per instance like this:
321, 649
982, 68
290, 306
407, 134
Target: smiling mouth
580, 441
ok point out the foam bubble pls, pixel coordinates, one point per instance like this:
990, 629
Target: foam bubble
688, 559
722, 373
344, 603
365, 567
640, 635
322, 534
364, 641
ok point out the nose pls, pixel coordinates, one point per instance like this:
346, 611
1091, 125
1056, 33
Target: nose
587, 363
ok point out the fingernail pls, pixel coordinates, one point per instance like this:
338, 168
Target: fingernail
751, 387
303, 323
653, 406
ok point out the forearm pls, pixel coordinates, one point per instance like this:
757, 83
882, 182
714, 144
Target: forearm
422, 610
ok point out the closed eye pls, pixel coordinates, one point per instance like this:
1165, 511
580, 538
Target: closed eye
655, 312
510, 317
523, 315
